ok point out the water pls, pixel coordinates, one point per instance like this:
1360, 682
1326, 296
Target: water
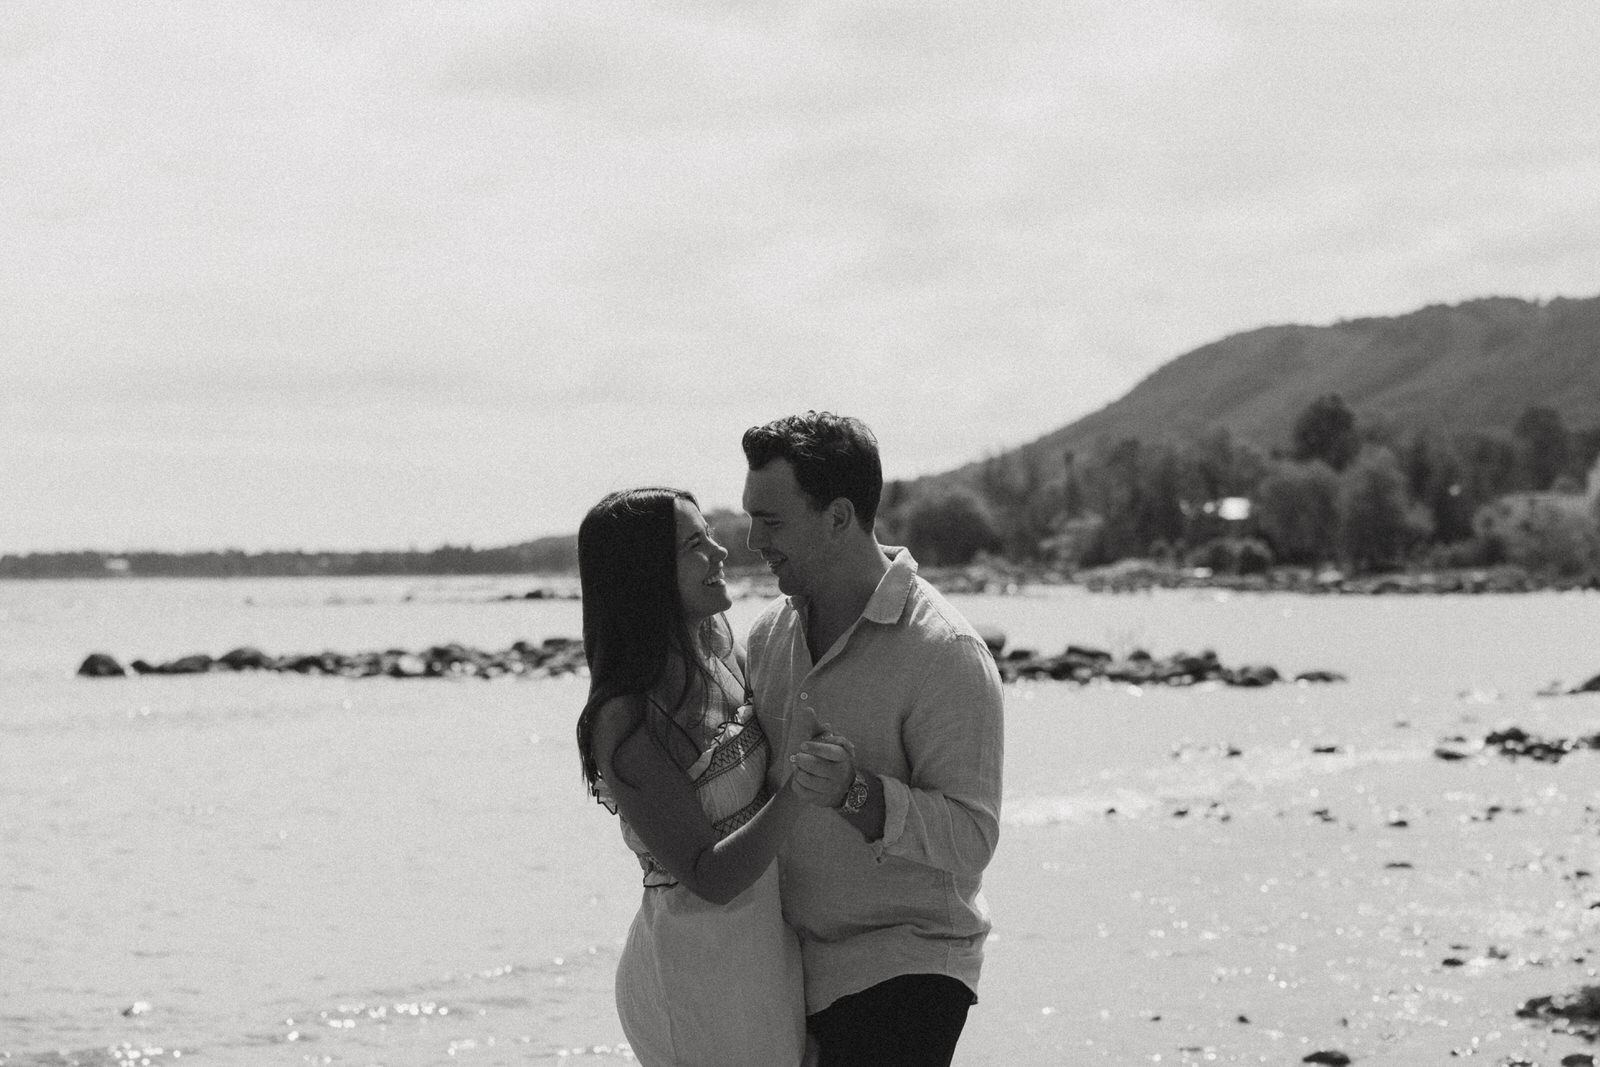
261, 868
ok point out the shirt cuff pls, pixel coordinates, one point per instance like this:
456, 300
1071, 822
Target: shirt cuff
896, 802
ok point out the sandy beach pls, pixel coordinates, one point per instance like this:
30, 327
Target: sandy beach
242, 869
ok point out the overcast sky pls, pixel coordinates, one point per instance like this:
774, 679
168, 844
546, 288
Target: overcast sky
347, 273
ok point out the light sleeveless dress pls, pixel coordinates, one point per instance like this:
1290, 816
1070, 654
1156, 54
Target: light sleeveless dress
702, 984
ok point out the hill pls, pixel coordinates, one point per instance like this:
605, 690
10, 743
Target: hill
1447, 368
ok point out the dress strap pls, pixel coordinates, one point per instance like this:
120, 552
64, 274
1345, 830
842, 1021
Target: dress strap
673, 719
731, 662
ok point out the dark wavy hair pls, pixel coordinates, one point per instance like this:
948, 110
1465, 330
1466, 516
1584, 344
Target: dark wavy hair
832, 455
633, 621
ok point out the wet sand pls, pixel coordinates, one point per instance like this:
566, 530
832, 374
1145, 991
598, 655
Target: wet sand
323, 870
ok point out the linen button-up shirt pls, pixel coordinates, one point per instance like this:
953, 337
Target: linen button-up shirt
916, 691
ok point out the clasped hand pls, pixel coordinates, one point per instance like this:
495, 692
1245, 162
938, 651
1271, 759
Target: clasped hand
824, 767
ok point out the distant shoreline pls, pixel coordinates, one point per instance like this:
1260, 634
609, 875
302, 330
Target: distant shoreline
995, 577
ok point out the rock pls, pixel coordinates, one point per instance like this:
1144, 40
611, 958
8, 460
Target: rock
1579, 1009
1320, 676
246, 658
138, 1007
552, 656
1332, 1057
1591, 686
199, 663
1514, 742
1257, 675
1577, 1059
100, 665
407, 665
309, 664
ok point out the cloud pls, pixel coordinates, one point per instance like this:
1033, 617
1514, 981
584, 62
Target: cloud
443, 249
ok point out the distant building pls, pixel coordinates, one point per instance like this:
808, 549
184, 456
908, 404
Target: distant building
1229, 508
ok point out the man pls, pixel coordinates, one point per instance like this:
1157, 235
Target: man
883, 890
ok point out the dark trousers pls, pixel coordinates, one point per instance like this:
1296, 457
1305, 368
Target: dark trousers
913, 1020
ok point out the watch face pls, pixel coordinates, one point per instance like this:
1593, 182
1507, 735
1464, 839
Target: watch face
855, 797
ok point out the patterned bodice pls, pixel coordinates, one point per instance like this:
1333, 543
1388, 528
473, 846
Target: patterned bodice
730, 776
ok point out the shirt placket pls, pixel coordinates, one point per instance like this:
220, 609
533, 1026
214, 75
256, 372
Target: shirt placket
803, 706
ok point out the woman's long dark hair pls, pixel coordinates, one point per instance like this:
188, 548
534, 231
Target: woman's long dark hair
633, 621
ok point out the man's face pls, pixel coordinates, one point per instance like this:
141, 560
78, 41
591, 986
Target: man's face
789, 534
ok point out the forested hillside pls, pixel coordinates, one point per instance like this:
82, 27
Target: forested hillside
1372, 443
1475, 366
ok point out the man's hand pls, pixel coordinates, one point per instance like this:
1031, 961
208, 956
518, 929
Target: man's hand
824, 768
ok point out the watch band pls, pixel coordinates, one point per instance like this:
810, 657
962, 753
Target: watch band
855, 798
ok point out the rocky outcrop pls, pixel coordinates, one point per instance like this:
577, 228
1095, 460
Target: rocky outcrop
100, 665
1591, 686
555, 655
564, 655
1079, 664
1577, 1012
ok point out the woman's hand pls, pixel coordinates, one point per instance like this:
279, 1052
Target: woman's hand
824, 768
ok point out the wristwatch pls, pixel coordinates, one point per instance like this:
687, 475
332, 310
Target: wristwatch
855, 798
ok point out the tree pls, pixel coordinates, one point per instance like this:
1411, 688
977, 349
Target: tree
1435, 479
1297, 510
1490, 467
950, 528
1326, 430
1552, 536
1159, 515
1377, 524
1114, 484
1073, 495
1225, 467
1543, 445
1023, 511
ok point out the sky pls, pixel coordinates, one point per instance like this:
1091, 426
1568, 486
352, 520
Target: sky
342, 274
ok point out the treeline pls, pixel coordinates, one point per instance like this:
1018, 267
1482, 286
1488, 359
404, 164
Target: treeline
1357, 495
1361, 496
546, 555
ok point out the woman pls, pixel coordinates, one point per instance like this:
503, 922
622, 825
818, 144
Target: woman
710, 974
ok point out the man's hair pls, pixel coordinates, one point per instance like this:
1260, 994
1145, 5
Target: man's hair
832, 455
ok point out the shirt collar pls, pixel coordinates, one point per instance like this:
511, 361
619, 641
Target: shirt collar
888, 601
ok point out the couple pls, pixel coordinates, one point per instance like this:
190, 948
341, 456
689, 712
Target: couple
858, 745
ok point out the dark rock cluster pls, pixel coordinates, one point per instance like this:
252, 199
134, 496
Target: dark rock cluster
1514, 742
1577, 1012
555, 655
1591, 686
1082, 665
543, 593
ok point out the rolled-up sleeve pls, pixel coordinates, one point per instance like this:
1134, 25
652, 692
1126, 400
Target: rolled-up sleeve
948, 816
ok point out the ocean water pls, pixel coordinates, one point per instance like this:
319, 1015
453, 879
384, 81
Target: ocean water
261, 868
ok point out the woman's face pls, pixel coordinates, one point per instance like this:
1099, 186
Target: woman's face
701, 585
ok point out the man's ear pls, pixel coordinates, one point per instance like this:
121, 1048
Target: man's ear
841, 513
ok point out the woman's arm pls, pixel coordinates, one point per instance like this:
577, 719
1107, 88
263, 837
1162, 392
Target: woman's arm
658, 801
